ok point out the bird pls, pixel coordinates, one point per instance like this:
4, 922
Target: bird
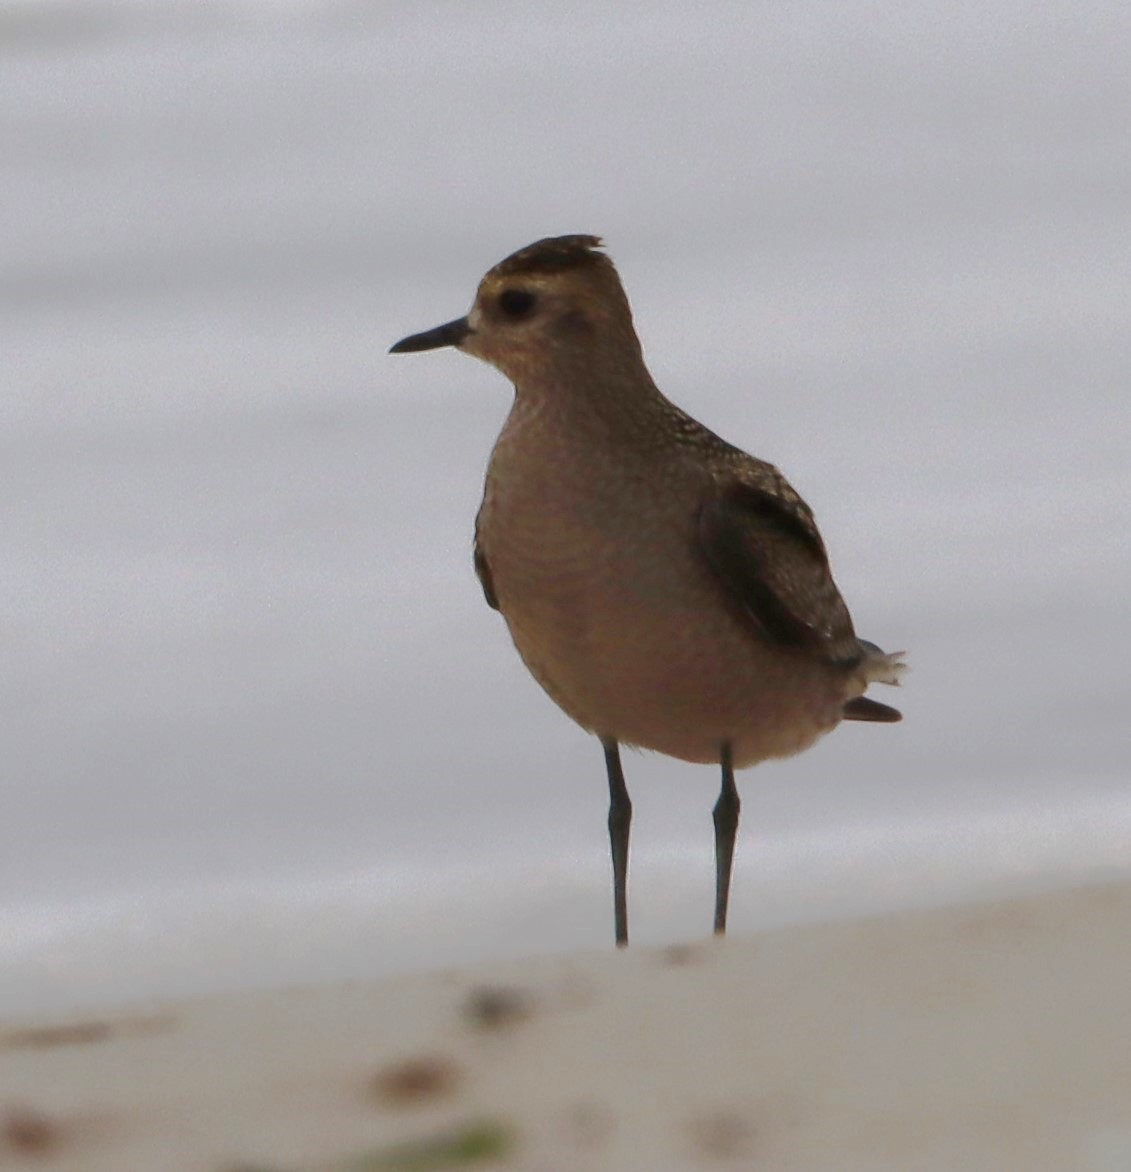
667, 590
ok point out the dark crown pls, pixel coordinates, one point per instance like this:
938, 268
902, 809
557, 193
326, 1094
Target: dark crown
552, 255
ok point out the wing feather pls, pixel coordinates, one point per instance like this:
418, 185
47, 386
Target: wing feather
483, 573
762, 543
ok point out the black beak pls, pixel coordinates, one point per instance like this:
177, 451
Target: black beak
449, 334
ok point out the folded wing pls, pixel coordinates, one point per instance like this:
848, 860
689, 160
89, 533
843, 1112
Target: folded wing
762, 543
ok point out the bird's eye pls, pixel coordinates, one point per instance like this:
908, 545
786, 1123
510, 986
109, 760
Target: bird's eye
516, 303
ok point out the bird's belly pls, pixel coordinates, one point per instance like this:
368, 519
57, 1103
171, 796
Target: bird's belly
641, 646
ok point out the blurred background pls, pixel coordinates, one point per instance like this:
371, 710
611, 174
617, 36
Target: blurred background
258, 725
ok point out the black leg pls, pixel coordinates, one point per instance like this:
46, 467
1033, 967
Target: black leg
620, 819
726, 826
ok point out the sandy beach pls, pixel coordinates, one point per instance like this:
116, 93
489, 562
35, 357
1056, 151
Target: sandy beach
984, 1037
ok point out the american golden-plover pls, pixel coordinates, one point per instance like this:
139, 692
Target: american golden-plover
666, 589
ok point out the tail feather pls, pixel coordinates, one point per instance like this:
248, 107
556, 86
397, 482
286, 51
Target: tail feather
882, 667
877, 667
861, 708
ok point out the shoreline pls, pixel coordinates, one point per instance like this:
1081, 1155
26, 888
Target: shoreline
982, 1036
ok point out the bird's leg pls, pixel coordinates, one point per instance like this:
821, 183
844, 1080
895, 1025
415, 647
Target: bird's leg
726, 826
620, 819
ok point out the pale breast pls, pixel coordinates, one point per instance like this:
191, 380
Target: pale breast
595, 563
